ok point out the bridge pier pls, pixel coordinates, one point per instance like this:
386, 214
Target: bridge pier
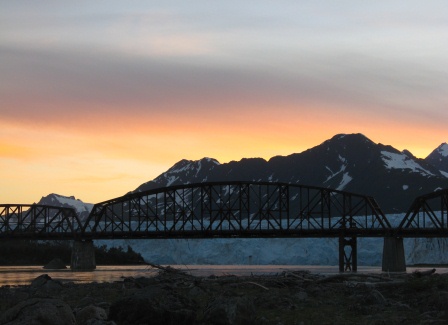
348, 254
83, 256
393, 255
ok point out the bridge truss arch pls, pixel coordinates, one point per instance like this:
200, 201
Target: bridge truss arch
427, 216
33, 221
237, 209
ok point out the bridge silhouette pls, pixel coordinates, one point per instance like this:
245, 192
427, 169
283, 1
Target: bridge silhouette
235, 209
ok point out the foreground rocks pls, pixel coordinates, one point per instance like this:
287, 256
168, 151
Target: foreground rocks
173, 297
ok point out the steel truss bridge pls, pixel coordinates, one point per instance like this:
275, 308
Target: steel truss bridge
233, 209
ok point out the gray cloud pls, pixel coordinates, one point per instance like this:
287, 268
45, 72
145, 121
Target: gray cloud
388, 56
145, 85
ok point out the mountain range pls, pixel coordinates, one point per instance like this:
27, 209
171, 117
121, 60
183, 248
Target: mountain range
347, 162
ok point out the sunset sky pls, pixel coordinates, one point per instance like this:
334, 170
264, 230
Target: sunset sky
97, 97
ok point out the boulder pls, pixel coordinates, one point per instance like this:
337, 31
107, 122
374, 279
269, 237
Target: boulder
154, 305
45, 283
39, 311
55, 264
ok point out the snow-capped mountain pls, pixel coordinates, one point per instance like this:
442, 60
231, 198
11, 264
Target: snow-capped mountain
439, 158
81, 208
349, 162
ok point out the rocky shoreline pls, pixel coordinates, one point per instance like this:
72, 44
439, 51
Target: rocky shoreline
174, 297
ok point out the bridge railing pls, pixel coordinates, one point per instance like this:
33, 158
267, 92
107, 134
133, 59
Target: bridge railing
236, 209
38, 221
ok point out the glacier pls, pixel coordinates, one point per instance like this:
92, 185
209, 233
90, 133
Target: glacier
278, 251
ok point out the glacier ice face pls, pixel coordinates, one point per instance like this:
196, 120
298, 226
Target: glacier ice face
279, 251
243, 251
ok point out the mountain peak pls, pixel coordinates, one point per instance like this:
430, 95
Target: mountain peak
183, 172
409, 154
351, 137
54, 199
439, 158
353, 140
341, 136
443, 149
193, 164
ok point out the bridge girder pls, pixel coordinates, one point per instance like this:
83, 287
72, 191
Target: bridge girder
38, 221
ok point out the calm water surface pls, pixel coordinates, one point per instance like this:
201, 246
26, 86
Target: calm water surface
22, 275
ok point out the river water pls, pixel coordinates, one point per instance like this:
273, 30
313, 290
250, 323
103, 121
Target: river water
23, 275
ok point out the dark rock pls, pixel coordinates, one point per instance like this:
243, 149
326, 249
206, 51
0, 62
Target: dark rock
55, 264
374, 297
154, 305
45, 283
89, 314
84, 302
10, 297
302, 296
230, 311
40, 281
39, 312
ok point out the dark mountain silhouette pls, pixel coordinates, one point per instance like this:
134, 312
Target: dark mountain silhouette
348, 162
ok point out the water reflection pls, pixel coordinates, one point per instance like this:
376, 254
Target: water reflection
23, 275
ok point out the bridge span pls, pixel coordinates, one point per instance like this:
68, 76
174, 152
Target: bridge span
237, 209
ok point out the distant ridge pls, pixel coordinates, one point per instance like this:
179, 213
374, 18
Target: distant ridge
82, 209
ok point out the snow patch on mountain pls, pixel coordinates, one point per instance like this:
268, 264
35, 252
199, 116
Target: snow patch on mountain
170, 180
346, 178
272, 179
444, 173
402, 161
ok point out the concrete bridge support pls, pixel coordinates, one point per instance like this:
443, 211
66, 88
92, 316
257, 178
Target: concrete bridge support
348, 254
83, 256
393, 255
